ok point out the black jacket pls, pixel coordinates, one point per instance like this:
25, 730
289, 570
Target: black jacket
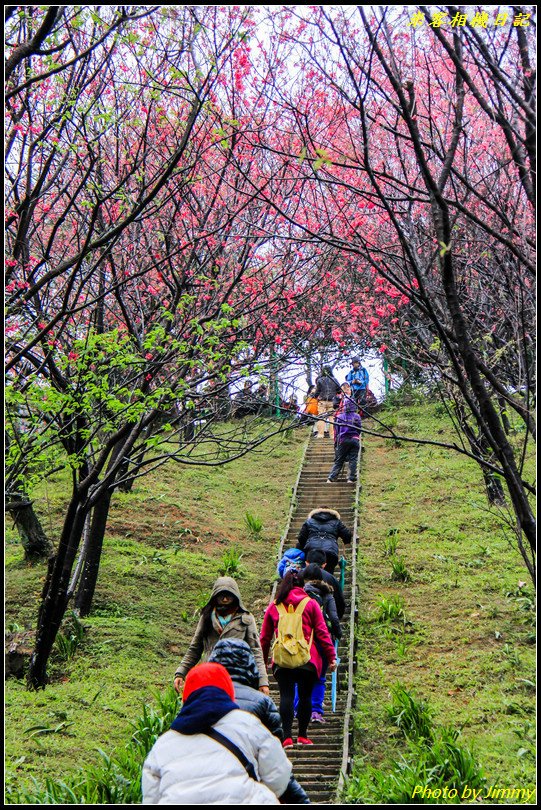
326, 387
321, 529
337, 592
236, 656
323, 594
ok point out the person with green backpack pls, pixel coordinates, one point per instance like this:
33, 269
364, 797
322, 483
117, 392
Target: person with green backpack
301, 642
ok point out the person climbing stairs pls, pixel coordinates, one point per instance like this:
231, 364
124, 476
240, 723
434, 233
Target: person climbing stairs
318, 767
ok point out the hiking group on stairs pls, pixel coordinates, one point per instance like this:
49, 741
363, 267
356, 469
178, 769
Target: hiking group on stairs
228, 743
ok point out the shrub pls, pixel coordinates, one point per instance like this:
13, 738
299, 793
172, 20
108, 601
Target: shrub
391, 609
231, 565
433, 760
412, 716
118, 779
254, 525
69, 638
399, 572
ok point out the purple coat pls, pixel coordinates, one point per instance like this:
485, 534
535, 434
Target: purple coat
347, 423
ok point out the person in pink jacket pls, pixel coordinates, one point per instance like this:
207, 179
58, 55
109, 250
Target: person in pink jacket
291, 592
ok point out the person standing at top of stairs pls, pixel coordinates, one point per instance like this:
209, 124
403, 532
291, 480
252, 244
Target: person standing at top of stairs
326, 390
358, 378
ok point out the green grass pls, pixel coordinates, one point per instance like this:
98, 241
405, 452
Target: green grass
457, 635
166, 542
467, 650
115, 779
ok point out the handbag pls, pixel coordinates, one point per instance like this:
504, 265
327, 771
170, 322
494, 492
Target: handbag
230, 745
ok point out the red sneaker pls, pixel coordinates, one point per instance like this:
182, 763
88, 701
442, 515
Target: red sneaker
304, 741
287, 743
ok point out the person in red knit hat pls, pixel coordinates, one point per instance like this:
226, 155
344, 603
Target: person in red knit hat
187, 765
208, 675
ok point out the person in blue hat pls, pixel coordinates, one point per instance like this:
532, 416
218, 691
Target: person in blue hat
358, 378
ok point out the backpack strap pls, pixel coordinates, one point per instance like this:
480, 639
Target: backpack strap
283, 611
302, 604
230, 745
300, 609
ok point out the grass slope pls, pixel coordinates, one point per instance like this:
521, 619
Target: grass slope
165, 545
464, 641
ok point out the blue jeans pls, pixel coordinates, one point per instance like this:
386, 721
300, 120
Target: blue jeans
318, 691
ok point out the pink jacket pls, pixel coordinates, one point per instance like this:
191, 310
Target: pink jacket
312, 619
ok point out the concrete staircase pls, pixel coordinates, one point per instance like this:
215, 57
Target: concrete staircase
318, 767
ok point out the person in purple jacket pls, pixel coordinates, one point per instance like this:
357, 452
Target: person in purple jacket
347, 444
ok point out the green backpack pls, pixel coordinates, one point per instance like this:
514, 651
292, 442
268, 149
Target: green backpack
290, 649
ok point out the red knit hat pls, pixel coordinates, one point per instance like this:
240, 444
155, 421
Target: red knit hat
208, 675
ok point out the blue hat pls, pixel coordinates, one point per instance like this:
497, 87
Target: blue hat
293, 558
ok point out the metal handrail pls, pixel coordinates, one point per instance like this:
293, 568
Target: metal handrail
346, 751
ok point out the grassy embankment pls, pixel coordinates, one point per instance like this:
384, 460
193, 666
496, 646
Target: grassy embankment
455, 626
166, 543
462, 641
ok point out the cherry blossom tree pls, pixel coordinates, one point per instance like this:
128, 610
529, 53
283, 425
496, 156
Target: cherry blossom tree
128, 230
414, 153
199, 194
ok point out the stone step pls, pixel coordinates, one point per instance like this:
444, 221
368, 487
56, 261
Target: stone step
338, 487
326, 494
303, 513
317, 767
297, 522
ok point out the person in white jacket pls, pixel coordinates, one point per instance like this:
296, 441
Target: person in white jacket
186, 766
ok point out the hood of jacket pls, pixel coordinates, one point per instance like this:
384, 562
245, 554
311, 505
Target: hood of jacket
324, 514
237, 657
324, 588
227, 584
350, 406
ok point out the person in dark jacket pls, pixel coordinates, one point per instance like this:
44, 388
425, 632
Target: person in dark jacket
326, 389
317, 556
347, 444
316, 587
236, 656
322, 592
321, 529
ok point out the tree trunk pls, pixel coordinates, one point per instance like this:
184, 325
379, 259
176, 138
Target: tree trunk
89, 577
488, 418
503, 413
55, 593
309, 380
125, 484
36, 544
480, 448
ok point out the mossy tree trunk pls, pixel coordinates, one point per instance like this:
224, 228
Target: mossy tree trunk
36, 544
